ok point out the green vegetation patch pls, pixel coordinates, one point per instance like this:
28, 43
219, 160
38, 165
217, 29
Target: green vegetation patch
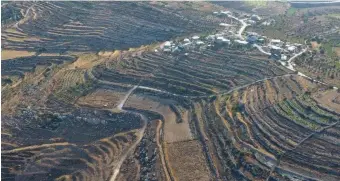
291, 11
257, 3
334, 15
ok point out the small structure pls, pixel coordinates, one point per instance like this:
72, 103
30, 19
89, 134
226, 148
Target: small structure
187, 46
252, 22
252, 33
186, 40
275, 51
210, 37
275, 41
180, 47
261, 40
251, 39
199, 43
167, 46
266, 23
195, 38
298, 45
224, 24
222, 40
291, 48
225, 13
283, 57
255, 17
241, 42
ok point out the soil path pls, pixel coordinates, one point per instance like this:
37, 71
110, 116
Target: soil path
160, 148
140, 134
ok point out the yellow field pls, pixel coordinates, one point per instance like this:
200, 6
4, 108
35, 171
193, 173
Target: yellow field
187, 161
9, 54
173, 131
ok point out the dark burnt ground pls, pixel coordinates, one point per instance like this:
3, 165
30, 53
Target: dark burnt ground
89, 26
44, 145
20, 66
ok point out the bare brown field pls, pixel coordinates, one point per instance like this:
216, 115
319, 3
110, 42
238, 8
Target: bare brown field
315, 45
337, 50
187, 161
10, 54
85, 61
89, 94
102, 98
330, 99
173, 131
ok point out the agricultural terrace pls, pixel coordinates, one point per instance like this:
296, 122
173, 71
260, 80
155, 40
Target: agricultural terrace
81, 102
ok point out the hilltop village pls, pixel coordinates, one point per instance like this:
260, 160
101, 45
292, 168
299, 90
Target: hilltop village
229, 35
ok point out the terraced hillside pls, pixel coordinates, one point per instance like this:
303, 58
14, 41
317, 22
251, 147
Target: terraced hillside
255, 133
87, 94
69, 26
201, 73
46, 144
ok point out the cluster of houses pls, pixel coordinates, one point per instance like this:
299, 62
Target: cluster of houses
281, 50
228, 35
184, 45
278, 49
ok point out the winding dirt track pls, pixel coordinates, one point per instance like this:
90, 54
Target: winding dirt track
139, 135
159, 144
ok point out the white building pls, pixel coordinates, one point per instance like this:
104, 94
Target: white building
283, 57
199, 43
222, 40
225, 13
255, 17
252, 33
275, 47
275, 42
224, 24
252, 22
167, 46
210, 37
186, 40
187, 46
241, 42
291, 48
266, 23
195, 37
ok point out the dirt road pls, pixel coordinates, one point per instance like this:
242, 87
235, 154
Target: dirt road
139, 135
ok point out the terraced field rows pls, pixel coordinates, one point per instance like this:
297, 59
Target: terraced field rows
49, 161
260, 126
69, 26
200, 73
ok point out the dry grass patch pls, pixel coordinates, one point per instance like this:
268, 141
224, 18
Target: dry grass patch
187, 161
315, 44
10, 54
15, 31
49, 54
23, 39
173, 131
337, 51
85, 61
330, 99
101, 98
